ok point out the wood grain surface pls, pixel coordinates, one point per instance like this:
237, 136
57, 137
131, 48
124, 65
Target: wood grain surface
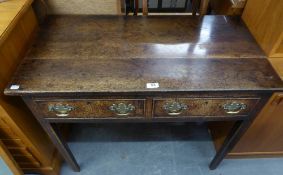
227, 7
263, 138
104, 54
9, 160
264, 18
19, 130
11, 11
92, 108
107, 37
119, 75
91, 56
203, 107
277, 63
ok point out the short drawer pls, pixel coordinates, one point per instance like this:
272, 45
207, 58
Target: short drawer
186, 107
91, 108
13, 143
20, 151
7, 133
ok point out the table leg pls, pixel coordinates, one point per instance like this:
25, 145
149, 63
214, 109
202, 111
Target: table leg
61, 145
144, 7
233, 137
194, 7
203, 7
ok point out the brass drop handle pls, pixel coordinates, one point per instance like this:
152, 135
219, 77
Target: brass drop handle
234, 107
175, 108
61, 110
122, 109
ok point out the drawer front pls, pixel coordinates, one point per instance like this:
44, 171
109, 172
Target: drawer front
13, 143
91, 108
3, 123
183, 107
19, 151
7, 133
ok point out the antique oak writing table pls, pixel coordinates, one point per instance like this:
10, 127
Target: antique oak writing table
144, 69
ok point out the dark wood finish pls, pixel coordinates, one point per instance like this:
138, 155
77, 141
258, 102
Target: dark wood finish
132, 75
200, 6
204, 107
136, 7
85, 49
231, 140
213, 59
195, 5
227, 7
144, 7
61, 145
153, 37
203, 7
91, 108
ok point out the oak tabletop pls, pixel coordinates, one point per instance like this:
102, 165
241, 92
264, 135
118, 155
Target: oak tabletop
103, 37
77, 54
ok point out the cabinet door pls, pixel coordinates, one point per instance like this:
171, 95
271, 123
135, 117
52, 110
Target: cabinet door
32, 150
6, 160
263, 138
277, 63
264, 20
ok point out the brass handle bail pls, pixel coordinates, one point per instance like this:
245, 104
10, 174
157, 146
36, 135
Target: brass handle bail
122, 109
175, 108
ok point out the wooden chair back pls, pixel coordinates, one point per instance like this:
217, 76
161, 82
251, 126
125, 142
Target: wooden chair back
197, 5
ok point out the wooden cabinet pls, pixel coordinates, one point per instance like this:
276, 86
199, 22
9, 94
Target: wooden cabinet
5, 155
277, 64
265, 136
264, 18
20, 133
